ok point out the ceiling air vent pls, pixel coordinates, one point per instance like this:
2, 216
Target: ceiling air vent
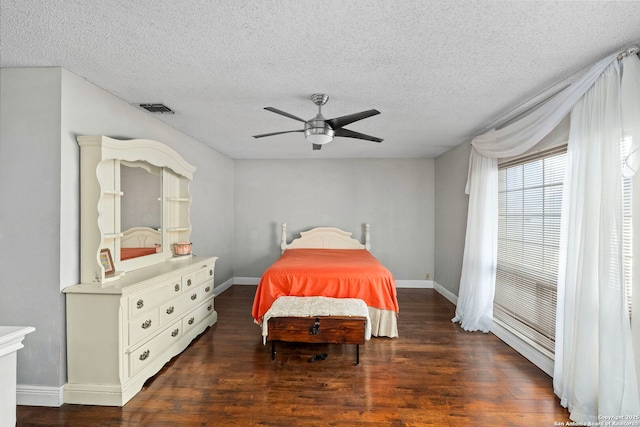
157, 108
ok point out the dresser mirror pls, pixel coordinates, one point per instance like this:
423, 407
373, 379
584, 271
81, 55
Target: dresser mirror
135, 204
140, 209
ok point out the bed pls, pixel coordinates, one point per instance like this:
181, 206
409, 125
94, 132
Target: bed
326, 262
140, 241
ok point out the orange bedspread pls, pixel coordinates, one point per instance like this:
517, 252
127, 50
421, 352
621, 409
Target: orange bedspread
335, 273
128, 253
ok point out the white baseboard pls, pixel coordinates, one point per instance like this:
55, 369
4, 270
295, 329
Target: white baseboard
30, 395
416, 284
522, 345
246, 280
217, 290
446, 293
399, 283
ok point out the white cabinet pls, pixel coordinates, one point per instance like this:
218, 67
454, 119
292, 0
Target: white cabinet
10, 342
119, 336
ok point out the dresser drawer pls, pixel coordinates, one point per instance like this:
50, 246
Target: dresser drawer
205, 274
143, 326
175, 308
149, 351
207, 290
189, 282
193, 297
197, 315
142, 302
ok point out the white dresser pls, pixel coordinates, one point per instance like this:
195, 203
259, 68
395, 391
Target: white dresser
139, 303
119, 336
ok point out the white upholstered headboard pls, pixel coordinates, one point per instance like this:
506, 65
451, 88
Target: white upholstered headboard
141, 237
325, 238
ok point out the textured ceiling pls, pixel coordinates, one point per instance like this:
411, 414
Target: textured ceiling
438, 71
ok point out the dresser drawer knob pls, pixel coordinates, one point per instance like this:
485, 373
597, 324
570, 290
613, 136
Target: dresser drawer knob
207, 289
146, 324
176, 287
175, 332
170, 309
140, 303
209, 307
144, 355
193, 319
188, 282
194, 296
210, 272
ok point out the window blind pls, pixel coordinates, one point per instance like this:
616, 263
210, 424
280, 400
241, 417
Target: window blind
627, 224
529, 205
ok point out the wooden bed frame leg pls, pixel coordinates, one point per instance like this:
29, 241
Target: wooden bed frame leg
357, 354
273, 350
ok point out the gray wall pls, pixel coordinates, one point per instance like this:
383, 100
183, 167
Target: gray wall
30, 212
451, 204
90, 110
237, 208
41, 113
395, 196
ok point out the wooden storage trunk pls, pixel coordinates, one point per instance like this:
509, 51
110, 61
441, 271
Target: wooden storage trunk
318, 329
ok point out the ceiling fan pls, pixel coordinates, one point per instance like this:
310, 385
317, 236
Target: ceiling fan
319, 131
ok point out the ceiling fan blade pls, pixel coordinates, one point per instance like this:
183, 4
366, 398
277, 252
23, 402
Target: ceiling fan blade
351, 134
316, 147
277, 133
338, 122
283, 113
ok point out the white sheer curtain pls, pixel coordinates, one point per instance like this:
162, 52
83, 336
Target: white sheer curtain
594, 371
594, 366
474, 309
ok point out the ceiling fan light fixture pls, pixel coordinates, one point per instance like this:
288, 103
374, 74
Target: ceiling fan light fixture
317, 131
318, 138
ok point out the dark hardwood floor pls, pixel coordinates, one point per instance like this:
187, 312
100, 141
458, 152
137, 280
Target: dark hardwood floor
435, 374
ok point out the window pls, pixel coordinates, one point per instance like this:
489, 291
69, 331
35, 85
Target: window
529, 207
530, 201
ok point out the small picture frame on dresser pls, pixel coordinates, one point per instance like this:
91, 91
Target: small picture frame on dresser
107, 262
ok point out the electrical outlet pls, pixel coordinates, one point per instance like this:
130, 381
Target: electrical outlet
427, 276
